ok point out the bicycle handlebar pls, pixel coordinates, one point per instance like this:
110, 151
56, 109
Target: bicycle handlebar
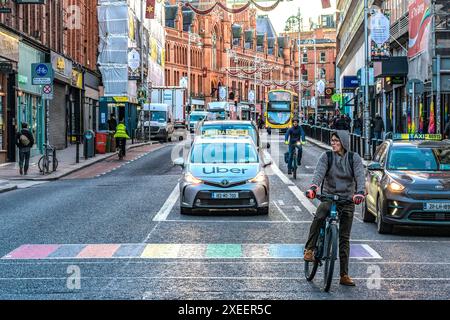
334, 198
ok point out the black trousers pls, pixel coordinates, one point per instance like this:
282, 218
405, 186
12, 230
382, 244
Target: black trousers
345, 227
24, 159
121, 143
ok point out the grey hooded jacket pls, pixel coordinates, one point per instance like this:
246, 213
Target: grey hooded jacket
340, 179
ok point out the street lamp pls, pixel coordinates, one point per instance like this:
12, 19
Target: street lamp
291, 20
366, 87
191, 37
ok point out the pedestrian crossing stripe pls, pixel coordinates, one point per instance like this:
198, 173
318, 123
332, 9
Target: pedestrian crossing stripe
173, 251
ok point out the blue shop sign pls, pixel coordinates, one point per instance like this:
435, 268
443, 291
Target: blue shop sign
351, 82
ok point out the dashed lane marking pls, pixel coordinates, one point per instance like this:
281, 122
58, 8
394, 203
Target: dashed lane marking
282, 212
168, 205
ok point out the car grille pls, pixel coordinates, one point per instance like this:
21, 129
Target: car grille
154, 129
207, 201
428, 195
430, 216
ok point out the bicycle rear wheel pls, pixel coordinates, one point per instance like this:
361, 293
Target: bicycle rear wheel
43, 164
331, 243
311, 269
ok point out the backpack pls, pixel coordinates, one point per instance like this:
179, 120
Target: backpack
330, 161
24, 141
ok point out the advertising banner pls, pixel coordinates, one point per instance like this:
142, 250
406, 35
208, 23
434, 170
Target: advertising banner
380, 34
419, 26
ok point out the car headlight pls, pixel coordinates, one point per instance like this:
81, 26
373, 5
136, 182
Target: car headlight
191, 179
395, 186
259, 178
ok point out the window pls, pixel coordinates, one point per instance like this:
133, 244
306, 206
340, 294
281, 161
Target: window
305, 75
322, 73
305, 57
322, 57
214, 51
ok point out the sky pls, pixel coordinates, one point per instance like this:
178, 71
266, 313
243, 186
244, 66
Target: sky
308, 8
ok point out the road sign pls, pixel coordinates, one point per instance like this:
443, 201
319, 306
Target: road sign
41, 73
321, 86
222, 93
47, 92
418, 87
251, 96
336, 97
380, 28
134, 60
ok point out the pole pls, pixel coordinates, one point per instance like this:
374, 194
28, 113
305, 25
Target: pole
189, 65
413, 111
438, 94
394, 111
299, 65
367, 155
315, 82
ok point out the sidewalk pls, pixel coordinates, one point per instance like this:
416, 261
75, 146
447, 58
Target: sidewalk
9, 172
327, 147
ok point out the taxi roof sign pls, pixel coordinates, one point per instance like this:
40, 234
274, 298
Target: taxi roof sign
417, 136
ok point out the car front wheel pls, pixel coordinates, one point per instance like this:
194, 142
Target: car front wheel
382, 227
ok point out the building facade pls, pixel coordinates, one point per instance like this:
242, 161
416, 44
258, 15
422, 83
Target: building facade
241, 52
58, 32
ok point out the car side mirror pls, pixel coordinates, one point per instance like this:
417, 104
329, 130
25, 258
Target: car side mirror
374, 166
179, 162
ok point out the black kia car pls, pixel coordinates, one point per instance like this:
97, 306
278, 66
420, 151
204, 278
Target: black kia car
408, 183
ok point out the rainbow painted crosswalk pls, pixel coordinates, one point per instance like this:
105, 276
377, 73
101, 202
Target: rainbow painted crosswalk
173, 251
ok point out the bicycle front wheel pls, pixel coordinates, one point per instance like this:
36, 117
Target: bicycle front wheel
331, 244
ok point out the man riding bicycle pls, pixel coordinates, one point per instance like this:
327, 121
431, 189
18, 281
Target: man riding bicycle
341, 173
295, 138
121, 136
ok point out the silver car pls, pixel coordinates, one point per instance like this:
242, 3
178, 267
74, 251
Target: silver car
224, 172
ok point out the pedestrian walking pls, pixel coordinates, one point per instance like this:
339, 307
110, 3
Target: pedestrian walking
24, 141
341, 123
357, 125
378, 127
447, 130
112, 123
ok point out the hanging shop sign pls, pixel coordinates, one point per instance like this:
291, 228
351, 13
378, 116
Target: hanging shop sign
380, 34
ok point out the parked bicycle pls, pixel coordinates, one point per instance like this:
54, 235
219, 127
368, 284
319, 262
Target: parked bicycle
327, 243
48, 160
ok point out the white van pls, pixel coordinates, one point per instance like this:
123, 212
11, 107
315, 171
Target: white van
161, 121
195, 117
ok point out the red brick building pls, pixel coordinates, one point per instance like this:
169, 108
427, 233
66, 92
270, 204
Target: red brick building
227, 42
64, 33
318, 50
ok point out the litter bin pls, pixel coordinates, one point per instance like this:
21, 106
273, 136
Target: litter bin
101, 139
89, 144
108, 142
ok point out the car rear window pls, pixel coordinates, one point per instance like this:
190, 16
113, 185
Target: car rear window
224, 153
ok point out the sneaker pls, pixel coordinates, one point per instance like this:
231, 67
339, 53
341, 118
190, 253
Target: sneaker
309, 255
289, 171
346, 281
21, 171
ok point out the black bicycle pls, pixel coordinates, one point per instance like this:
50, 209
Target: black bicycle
295, 159
327, 243
48, 160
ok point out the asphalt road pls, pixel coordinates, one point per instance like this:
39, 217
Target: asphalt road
115, 232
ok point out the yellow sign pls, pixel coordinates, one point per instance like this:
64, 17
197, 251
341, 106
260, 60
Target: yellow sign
120, 99
60, 64
154, 50
131, 32
77, 79
417, 136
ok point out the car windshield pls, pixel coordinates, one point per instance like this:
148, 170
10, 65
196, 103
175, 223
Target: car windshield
231, 129
419, 159
159, 116
224, 152
197, 117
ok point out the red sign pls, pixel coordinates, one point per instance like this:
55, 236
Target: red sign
419, 26
150, 9
326, 4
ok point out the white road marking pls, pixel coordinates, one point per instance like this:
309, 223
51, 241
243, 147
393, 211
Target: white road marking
372, 252
282, 212
281, 202
297, 208
238, 221
165, 277
404, 241
310, 167
168, 205
303, 199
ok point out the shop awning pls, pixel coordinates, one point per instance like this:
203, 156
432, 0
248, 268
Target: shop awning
392, 67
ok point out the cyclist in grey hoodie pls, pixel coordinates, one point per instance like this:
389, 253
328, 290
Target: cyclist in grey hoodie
341, 178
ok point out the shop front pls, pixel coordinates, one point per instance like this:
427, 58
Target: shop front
91, 100
30, 105
74, 125
9, 57
122, 107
